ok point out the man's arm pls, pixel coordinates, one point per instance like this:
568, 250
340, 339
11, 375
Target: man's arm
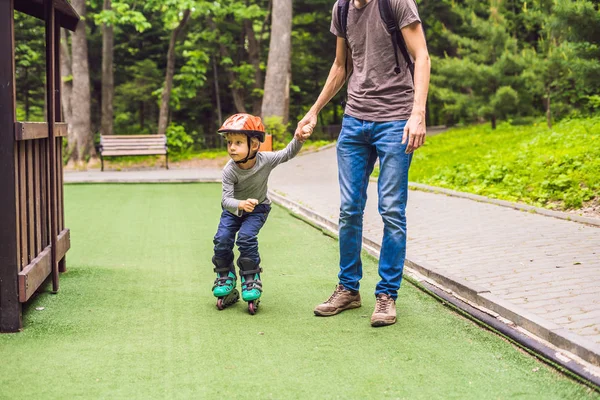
335, 81
417, 47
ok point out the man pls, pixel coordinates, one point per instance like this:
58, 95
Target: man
385, 119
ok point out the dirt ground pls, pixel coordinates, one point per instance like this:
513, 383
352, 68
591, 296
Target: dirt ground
590, 210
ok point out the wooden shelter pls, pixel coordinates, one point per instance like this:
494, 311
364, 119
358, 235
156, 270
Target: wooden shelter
33, 238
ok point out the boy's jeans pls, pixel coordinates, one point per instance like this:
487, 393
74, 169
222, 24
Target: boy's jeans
359, 145
248, 225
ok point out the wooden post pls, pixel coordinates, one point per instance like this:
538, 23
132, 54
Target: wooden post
62, 264
50, 83
10, 308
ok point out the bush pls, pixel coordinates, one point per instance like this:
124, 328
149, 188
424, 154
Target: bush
178, 140
279, 130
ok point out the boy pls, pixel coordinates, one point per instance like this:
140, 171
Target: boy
245, 207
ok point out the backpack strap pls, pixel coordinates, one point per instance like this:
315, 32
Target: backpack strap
389, 20
342, 13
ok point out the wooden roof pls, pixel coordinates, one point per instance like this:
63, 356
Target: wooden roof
67, 15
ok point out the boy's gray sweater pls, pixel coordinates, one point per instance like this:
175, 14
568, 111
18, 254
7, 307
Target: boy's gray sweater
242, 184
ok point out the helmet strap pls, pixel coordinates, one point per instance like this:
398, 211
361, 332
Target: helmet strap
248, 157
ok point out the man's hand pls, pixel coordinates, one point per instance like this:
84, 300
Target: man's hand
305, 127
414, 132
248, 205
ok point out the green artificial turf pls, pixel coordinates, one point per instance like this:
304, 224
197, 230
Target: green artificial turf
135, 318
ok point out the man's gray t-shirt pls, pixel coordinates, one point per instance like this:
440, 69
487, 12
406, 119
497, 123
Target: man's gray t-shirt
375, 91
242, 184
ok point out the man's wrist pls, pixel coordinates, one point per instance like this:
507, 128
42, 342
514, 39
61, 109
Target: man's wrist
418, 112
313, 112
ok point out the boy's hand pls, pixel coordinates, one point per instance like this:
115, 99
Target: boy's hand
304, 133
305, 127
248, 205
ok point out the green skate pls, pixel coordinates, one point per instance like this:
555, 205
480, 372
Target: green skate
224, 287
251, 283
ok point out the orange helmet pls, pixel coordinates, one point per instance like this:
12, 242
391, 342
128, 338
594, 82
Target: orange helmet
247, 124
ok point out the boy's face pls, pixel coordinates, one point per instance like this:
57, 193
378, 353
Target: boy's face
237, 146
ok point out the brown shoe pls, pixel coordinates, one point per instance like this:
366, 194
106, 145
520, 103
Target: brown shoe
385, 311
341, 299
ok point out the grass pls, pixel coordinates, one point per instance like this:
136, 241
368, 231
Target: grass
135, 318
205, 154
557, 168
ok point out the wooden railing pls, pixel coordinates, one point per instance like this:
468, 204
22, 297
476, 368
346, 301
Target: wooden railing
33, 237
38, 203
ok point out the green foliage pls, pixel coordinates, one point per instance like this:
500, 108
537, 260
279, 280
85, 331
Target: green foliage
122, 14
30, 68
558, 168
491, 60
275, 126
178, 140
135, 106
545, 52
191, 77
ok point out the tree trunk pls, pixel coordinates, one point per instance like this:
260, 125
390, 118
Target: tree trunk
26, 89
141, 115
66, 91
163, 117
108, 85
218, 101
277, 81
493, 121
217, 90
548, 110
254, 57
80, 100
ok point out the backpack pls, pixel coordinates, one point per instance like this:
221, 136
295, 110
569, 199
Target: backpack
389, 20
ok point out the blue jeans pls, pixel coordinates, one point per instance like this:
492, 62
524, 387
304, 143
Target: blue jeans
359, 145
246, 227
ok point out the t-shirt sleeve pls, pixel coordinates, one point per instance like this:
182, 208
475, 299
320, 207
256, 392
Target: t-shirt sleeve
336, 28
406, 12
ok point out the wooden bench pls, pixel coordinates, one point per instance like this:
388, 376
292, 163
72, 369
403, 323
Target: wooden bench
133, 145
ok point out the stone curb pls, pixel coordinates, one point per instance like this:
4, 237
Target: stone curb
504, 203
548, 331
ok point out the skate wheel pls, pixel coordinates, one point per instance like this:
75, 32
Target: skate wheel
220, 304
252, 307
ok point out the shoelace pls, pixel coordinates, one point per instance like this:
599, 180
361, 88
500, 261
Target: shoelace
335, 295
382, 304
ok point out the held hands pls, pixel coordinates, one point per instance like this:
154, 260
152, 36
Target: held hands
305, 127
414, 132
248, 205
